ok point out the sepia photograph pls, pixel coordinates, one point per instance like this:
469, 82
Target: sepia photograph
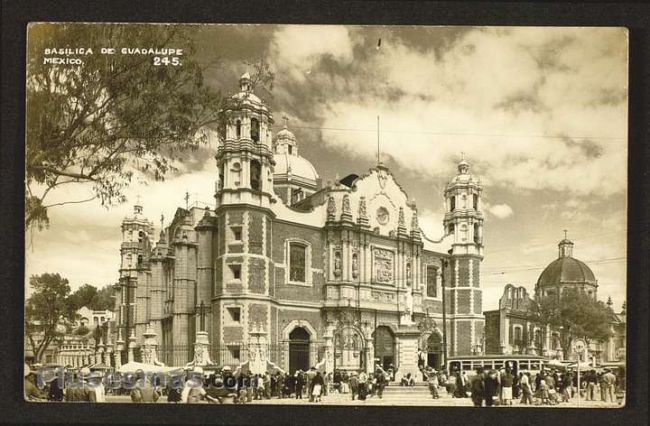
353, 215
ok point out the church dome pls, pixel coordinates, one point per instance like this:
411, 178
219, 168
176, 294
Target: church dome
566, 271
285, 135
295, 165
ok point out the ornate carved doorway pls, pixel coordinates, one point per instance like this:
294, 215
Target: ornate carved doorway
348, 349
298, 350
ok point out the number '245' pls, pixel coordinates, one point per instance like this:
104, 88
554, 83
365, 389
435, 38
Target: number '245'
166, 60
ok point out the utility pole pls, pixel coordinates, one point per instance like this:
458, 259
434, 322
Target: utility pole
444, 314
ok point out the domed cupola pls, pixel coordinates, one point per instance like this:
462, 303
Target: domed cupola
566, 272
294, 177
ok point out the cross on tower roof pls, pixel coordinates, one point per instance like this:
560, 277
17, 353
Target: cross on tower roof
286, 119
565, 231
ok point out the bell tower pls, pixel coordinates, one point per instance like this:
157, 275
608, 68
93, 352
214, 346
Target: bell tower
463, 222
245, 153
463, 213
136, 234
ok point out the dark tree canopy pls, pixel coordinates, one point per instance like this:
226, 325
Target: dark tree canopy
45, 311
98, 122
92, 297
574, 314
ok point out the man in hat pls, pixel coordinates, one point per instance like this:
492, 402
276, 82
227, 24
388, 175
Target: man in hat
81, 390
608, 385
32, 393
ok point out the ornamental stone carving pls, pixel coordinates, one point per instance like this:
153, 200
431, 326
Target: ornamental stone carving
346, 212
331, 209
383, 266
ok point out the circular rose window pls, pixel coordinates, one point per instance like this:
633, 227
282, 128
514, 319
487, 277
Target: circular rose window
382, 215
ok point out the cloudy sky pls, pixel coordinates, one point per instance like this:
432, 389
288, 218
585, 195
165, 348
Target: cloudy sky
540, 113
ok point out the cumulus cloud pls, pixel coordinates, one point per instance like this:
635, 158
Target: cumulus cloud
296, 49
533, 108
501, 211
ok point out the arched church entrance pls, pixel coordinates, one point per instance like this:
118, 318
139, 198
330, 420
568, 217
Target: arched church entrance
434, 351
298, 350
384, 346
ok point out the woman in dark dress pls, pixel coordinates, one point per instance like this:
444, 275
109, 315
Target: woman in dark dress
459, 388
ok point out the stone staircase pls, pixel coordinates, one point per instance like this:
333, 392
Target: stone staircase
410, 394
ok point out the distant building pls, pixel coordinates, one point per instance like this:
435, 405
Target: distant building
510, 329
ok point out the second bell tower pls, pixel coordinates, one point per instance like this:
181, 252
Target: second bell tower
245, 155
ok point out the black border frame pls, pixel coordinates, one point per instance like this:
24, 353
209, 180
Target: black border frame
16, 15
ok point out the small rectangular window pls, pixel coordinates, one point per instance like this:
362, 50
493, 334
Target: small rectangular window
236, 271
432, 281
235, 314
453, 203
297, 262
236, 233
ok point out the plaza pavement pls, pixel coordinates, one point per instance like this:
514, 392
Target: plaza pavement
395, 398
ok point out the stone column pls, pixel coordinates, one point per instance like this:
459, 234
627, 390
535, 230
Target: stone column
131, 356
119, 347
329, 347
408, 353
202, 349
150, 347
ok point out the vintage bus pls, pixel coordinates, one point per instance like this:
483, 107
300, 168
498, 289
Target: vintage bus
518, 363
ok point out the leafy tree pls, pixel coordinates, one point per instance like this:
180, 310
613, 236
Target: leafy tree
104, 299
83, 296
45, 311
96, 123
574, 314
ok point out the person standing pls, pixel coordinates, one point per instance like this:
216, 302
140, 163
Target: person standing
380, 383
363, 386
354, 385
317, 387
592, 380
526, 391
490, 387
608, 386
506, 386
433, 385
478, 388
300, 383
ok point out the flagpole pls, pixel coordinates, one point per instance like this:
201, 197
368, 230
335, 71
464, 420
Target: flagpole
378, 158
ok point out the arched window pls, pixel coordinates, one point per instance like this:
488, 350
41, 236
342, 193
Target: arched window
297, 262
475, 201
290, 149
238, 128
477, 238
464, 201
451, 228
255, 130
452, 204
256, 170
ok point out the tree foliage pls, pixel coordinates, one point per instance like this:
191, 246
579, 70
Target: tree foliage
45, 311
98, 122
93, 298
574, 314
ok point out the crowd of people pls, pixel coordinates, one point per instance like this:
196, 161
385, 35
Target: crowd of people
548, 387
487, 388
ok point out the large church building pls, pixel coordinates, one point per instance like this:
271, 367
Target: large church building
297, 273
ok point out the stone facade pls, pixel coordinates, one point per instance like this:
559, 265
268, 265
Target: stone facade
305, 280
